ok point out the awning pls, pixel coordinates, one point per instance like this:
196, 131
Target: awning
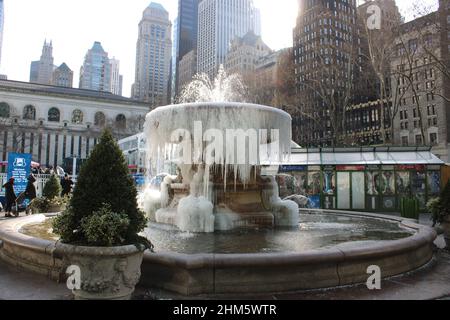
363, 156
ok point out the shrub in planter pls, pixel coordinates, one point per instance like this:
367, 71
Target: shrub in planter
52, 188
51, 200
105, 227
434, 207
100, 228
440, 209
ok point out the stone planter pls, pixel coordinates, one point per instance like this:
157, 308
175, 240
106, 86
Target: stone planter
107, 273
55, 208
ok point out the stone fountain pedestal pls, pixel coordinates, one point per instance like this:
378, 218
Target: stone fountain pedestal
239, 206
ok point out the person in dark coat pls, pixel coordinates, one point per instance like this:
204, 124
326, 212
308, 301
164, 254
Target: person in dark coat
10, 197
66, 184
30, 192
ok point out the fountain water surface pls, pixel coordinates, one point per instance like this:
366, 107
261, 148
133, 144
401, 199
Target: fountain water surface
219, 148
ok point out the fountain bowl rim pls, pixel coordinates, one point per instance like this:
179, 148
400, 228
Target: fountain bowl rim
199, 105
314, 269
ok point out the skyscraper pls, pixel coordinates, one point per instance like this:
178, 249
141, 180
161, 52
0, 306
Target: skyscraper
95, 74
325, 54
41, 71
63, 76
173, 64
186, 33
444, 20
34, 71
244, 54
2, 19
153, 56
219, 22
116, 77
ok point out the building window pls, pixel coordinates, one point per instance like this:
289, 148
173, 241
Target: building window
428, 39
433, 139
100, 119
4, 110
413, 45
77, 117
54, 115
29, 113
405, 141
419, 140
121, 121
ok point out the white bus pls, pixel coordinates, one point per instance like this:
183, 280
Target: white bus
134, 150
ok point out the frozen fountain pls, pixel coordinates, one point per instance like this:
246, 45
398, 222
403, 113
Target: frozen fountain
218, 148
219, 188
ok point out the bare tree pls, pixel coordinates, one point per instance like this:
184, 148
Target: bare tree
376, 55
285, 86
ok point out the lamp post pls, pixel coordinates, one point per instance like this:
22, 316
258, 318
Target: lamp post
74, 166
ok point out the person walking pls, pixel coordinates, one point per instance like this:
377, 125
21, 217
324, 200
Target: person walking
10, 197
30, 193
66, 185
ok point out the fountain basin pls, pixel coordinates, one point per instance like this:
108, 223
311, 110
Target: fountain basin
211, 273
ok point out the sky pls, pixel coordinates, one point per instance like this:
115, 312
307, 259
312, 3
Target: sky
73, 26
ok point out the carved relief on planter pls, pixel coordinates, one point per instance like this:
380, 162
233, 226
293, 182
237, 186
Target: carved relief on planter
106, 273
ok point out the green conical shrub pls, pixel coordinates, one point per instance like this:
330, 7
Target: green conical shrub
440, 207
52, 188
104, 184
445, 202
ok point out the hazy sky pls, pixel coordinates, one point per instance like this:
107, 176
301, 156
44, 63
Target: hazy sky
73, 26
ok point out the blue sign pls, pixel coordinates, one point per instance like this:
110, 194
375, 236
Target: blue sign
292, 168
314, 202
139, 179
19, 168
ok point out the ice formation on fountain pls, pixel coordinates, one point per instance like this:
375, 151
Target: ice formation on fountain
224, 88
204, 140
195, 212
285, 211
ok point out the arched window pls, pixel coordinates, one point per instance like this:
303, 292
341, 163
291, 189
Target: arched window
54, 115
100, 119
121, 121
4, 110
29, 112
77, 116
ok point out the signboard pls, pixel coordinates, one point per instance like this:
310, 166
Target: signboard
350, 168
417, 167
19, 167
292, 168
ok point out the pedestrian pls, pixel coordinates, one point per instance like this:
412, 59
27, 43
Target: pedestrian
10, 197
30, 193
66, 185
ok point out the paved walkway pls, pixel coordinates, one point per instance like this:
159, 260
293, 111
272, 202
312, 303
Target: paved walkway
430, 282
19, 285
